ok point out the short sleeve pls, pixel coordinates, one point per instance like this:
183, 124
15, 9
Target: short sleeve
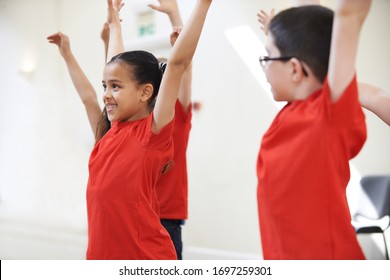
160, 140
181, 116
347, 119
346, 111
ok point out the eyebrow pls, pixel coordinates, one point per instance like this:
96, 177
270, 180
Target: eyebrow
112, 81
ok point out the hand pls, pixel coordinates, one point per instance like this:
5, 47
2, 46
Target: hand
113, 9
62, 41
105, 33
175, 34
265, 19
166, 6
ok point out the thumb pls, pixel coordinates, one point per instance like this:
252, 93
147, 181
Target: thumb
154, 7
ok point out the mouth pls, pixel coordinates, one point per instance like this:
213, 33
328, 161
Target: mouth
110, 107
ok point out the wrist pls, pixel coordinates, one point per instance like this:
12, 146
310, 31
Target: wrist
66, 54
114, 25
175, 19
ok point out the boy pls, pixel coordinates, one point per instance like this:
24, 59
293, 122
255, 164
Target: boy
303, 161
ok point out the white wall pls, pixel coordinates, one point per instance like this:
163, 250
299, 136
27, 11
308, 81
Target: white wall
45, 139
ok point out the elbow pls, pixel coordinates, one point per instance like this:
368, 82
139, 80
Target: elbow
353, 9
179, 64
90, 100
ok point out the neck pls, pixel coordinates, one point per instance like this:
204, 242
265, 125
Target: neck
306, 88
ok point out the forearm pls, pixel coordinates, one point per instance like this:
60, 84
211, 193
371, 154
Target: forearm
81, 83
349, 17
185, 91
175, 17
105, 51
375, 100
115, 44
85, 91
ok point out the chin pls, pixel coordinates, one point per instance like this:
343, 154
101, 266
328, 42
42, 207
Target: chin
275, 97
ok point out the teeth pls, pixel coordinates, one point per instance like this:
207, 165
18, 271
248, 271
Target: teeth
109, 107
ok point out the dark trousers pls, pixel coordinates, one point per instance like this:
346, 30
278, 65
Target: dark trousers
174, 229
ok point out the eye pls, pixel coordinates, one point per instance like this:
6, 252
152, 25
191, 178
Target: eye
104, 87
115, 86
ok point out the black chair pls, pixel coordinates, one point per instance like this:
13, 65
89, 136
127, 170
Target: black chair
373, 208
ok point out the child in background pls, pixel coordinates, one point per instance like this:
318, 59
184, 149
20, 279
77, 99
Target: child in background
172, 188
127, 162
303, 163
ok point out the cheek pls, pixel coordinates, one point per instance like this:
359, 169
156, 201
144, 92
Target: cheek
271, 77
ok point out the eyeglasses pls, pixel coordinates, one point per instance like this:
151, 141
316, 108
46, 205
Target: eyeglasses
264, 59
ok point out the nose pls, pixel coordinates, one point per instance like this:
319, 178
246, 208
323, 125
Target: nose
263, 65
107, 95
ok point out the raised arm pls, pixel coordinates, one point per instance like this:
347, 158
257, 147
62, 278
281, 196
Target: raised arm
115, 43
349, 17
376, 100
178, 61
171, 8
185, 91
83, 86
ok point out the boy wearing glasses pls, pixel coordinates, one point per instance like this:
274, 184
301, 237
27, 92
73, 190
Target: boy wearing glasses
303, 163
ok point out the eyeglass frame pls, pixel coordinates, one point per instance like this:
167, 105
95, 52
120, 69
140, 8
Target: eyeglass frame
265, 58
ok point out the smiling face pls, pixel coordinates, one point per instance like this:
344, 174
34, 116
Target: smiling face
123, 97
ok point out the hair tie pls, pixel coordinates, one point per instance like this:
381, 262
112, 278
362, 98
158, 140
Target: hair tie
162, 66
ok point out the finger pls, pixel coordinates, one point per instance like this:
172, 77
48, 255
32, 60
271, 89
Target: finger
177, 28
53, 35
118, 4
53, 39
109, 3
121, 6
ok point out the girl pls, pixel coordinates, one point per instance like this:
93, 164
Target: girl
127, 162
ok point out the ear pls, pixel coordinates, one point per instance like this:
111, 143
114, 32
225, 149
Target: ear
147, 92
297, 69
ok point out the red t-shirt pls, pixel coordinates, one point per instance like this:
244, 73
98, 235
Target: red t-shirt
124, 168
303, 172
172, 188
